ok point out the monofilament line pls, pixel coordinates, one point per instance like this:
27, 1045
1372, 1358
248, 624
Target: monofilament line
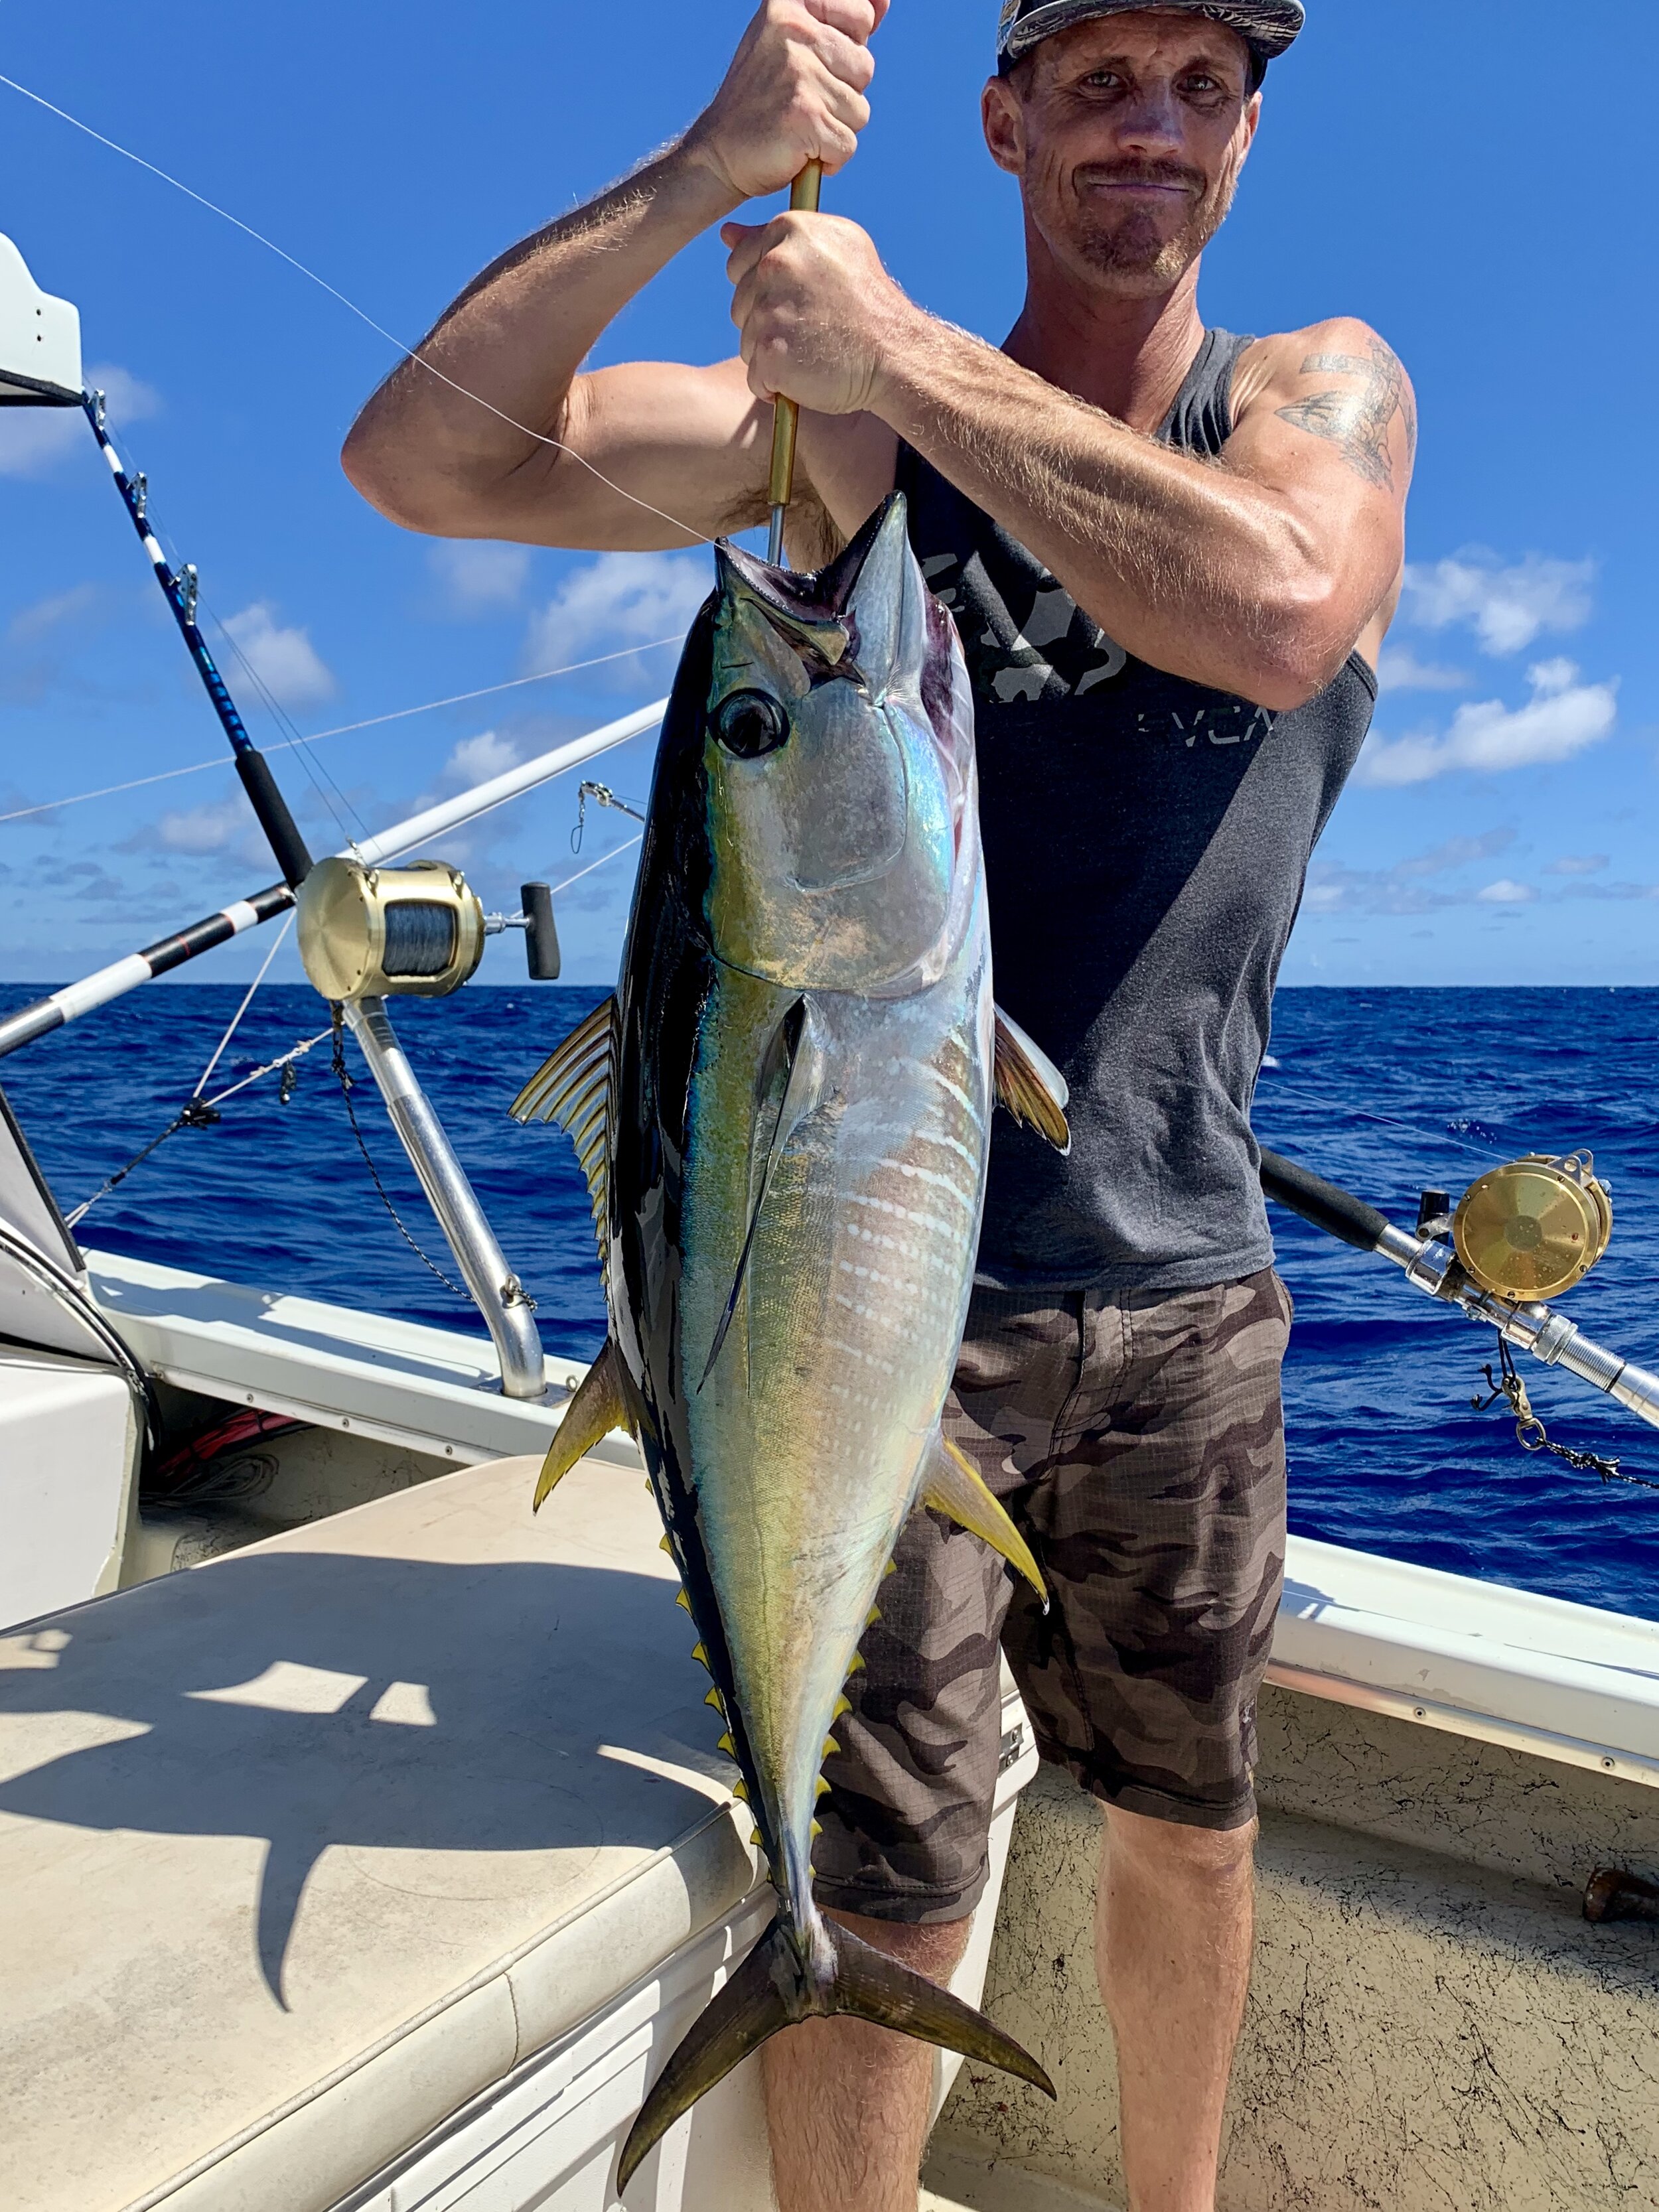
538, 437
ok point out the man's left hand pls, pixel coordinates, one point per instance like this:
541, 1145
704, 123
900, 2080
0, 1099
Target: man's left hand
816, 311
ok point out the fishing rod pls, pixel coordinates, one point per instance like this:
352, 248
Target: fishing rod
105, 984
803, 199
1537, 1225
179, 591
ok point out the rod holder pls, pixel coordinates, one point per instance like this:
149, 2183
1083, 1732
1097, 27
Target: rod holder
508, 1313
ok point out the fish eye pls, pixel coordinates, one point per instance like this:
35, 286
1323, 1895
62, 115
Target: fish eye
750, 723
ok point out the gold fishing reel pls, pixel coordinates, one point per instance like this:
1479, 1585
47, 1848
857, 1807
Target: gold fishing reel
415, 932
1531, 1231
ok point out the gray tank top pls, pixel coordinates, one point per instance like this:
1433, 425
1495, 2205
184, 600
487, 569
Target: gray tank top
1147, 844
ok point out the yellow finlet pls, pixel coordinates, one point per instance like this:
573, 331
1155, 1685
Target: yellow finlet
831, 1748
754, 1840
718, 1702
843, 1705
816, 1830
873, 1616
598, 1407
726, 1744
684, 1601
823, 1787
740, 1790
891, 1568
666, 1545
856, 1667
701, 1655
953, 1487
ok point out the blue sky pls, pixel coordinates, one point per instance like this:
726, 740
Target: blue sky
1474, 180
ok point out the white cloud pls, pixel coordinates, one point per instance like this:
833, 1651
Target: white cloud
1402, 888
476, 760
480, 579
1562, 719
1506, 608
218, 827
284, 661
1505, 892
620, 599
34, 439
1578, 864
46, 614
1399, 670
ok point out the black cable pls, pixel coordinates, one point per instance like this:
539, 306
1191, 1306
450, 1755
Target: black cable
347, 1086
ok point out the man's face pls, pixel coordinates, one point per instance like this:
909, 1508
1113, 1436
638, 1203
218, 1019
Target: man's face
1127, 135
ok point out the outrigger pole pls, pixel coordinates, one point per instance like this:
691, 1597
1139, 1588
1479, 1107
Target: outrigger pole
1433, 1265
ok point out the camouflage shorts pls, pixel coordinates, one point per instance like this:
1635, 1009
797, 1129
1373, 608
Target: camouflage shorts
1137, 1439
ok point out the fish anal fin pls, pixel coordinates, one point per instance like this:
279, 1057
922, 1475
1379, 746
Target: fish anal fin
1029, 1085
954, 1486
772, 1989
598, 1407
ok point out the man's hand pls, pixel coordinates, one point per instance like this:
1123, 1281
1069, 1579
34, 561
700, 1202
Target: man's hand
794, 93
817, 314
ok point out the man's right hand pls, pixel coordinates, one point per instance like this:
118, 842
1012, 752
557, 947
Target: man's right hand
794, 93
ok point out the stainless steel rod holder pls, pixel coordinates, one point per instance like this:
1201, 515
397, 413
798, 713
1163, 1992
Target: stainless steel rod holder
497, 1291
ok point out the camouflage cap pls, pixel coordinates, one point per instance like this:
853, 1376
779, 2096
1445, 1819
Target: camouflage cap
1267, 26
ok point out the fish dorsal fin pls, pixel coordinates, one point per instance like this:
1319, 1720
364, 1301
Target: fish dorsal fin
1029, 1085
887, 602
599, 1406
796, 1045
952, 1485
575, 1088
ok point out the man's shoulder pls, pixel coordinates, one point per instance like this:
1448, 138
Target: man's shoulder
1342, 346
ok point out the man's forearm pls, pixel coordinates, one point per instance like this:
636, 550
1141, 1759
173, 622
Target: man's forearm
518, 335
1185, 565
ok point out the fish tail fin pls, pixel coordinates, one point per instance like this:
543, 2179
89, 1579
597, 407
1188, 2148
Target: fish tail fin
772, 1989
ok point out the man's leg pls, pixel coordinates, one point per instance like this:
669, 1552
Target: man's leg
1173, 1932
846, 2103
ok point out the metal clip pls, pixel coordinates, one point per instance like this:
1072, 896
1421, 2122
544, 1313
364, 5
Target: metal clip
98, 411
141, 497
189, 589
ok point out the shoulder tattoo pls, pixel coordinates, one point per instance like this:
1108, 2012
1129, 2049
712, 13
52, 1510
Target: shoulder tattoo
1357, 417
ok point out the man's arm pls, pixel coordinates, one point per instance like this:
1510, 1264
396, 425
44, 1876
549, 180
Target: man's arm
508, 439
1258, 575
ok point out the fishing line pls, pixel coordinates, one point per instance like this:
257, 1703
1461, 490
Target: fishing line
236, 1018
345, 729
1391, 1121
538, 437
317, 773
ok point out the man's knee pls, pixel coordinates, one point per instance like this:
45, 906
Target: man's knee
935, 1951
1170, 1853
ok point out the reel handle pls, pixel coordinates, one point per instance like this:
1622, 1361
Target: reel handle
541, 936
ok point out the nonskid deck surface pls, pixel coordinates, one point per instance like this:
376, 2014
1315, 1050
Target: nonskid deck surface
959, 2178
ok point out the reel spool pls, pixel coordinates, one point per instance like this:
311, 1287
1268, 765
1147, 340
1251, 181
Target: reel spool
413, 933
1531, 1231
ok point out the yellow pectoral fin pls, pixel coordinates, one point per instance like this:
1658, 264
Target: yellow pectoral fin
597, 1409
953, 1487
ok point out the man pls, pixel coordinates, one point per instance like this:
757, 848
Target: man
1172, 555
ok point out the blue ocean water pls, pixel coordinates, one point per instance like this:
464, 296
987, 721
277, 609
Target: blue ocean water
1385, 1092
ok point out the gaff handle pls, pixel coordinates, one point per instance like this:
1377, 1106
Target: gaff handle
803, 199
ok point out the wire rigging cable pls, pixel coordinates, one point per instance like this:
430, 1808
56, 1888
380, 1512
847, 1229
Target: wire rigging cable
538, 437
345, 729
